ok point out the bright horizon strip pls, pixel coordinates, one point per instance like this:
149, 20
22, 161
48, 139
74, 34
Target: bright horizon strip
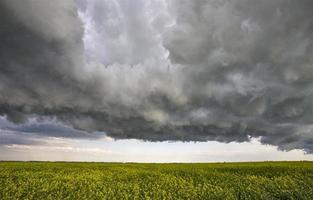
109, 150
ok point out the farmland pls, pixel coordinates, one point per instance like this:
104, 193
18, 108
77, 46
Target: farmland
57, 180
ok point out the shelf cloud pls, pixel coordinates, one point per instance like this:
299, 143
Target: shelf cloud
158, 70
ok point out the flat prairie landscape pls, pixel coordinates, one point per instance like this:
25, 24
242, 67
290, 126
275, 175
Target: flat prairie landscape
57, 180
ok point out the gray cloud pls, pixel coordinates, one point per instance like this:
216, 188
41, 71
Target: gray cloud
36, 130
160, 70
15, 138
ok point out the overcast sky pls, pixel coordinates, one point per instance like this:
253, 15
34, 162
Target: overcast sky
156, 80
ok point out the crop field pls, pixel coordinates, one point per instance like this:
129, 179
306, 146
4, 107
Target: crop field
267, 180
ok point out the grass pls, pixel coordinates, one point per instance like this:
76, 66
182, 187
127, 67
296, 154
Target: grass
49, 180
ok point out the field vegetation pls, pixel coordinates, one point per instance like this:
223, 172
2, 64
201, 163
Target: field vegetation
224, 181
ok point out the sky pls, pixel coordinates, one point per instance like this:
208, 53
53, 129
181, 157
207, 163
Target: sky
156, 80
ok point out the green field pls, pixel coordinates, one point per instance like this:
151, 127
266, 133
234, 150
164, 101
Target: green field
267, 180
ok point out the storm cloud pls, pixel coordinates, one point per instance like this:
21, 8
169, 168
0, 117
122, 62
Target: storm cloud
160, 70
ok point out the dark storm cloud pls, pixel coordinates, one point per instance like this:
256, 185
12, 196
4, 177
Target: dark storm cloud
160, 70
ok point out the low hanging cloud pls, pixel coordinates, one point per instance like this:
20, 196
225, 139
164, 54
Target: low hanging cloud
160, 70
